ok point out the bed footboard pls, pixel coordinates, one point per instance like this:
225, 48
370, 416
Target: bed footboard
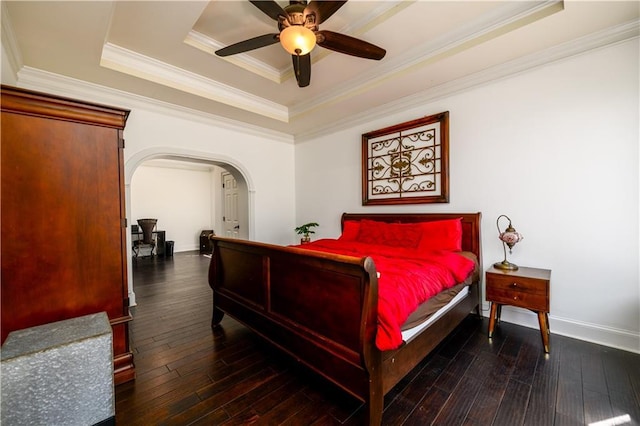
320, 308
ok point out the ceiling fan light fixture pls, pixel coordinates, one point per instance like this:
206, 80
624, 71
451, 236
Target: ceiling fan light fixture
297, 40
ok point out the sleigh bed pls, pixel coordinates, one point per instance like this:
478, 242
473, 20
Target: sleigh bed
322, 307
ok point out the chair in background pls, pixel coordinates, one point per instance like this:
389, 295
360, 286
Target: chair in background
148, 227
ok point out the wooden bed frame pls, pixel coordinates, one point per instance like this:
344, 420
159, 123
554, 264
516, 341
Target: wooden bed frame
321, 308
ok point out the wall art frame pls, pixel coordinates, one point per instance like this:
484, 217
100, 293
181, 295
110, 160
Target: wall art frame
407, 163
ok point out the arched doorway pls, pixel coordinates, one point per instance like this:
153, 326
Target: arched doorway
218, 164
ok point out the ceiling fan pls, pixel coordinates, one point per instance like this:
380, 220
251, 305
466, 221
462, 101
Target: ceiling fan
299, 33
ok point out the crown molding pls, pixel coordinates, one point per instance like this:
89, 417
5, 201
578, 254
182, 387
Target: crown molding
619, 34
54, 83
128, 62
35, 79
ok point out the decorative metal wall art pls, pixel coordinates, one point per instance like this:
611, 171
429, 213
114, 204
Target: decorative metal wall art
407, 163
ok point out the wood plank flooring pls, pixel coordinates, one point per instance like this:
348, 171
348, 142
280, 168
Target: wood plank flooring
189, 374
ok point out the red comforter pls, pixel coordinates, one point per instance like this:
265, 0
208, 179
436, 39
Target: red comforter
407, 278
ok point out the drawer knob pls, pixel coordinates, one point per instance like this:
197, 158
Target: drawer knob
515, 297
514, 284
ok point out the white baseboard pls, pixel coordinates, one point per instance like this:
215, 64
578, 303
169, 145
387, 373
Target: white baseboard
607, 336
186, 247
132, 299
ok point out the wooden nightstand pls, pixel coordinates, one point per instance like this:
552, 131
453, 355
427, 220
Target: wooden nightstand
525, 288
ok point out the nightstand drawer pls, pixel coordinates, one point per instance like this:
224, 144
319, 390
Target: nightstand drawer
519, 284
522, 299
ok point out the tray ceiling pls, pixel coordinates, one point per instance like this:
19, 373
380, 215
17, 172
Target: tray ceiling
165, 50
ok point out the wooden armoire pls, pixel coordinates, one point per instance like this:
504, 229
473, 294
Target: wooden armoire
63, 215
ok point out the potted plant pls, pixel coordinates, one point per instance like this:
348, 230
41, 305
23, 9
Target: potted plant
305, 230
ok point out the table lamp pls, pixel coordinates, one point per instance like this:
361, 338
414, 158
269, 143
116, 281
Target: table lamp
509, 238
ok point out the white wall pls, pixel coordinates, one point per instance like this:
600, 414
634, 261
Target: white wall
7, 73
556, 149
182, 199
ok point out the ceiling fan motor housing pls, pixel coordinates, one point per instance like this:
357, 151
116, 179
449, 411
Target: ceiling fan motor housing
297, 17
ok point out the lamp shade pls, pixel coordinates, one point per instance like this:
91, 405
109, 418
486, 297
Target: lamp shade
297, 40
510, 237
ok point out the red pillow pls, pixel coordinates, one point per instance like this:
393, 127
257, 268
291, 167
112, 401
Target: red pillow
390, 234
441, 235
350, 230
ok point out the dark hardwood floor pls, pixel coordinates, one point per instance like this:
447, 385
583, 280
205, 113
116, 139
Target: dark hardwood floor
188, 374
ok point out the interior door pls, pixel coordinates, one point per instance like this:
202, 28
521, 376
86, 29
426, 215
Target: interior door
230, 219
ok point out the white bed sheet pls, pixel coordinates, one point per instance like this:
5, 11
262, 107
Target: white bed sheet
407, 335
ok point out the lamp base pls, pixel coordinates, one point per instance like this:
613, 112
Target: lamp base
507, 266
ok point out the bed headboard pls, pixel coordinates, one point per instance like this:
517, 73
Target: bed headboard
470, 224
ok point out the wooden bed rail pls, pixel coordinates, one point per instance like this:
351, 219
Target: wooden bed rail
320, 308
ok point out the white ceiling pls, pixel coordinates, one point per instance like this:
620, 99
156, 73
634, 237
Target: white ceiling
164, 50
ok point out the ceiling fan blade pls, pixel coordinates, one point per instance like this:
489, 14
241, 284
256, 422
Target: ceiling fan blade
323, 9
270, 8
349, 45
302, 69
250, 44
